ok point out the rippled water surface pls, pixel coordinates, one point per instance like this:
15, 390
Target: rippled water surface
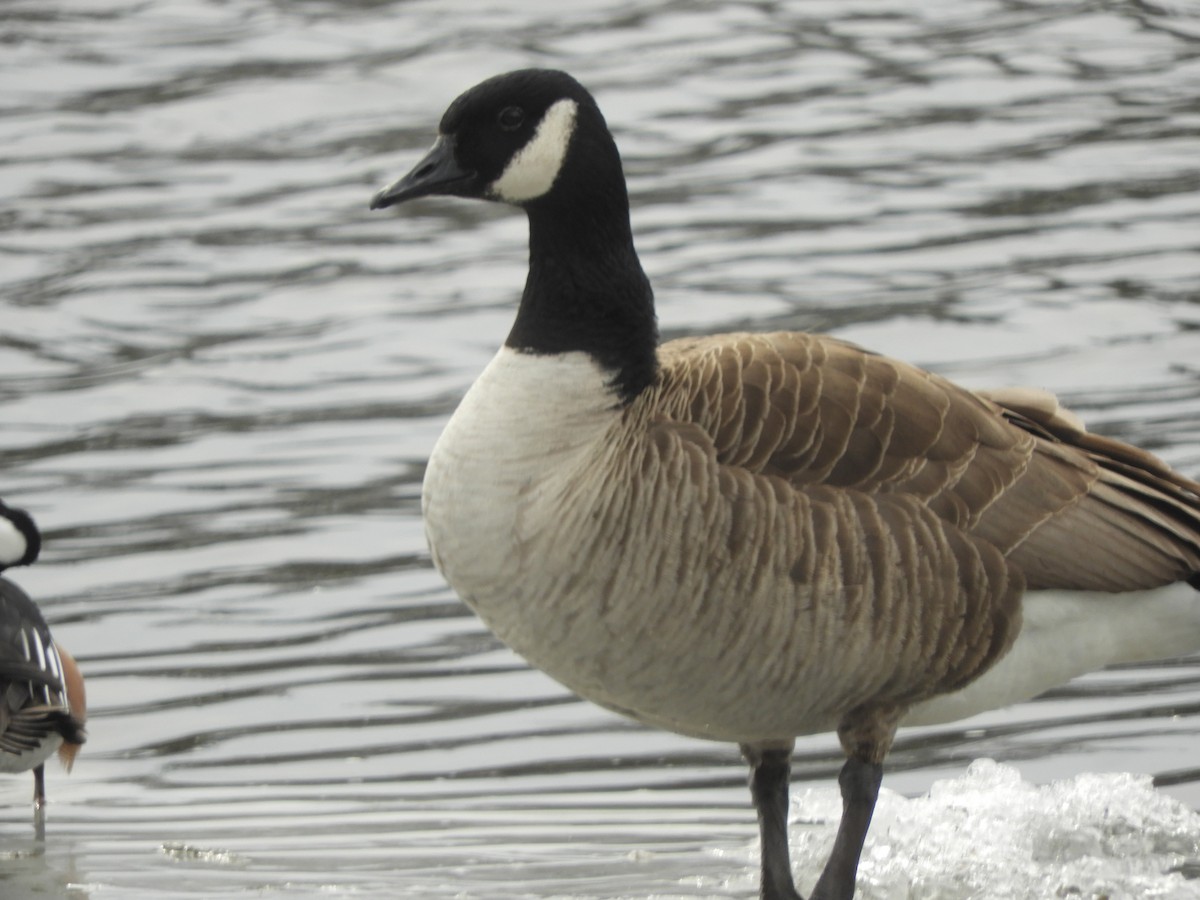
220, 377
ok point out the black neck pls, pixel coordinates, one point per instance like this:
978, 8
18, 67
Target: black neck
586, 290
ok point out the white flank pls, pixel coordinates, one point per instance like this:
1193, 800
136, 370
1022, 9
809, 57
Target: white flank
41, 650
1068, 633
12, 543
53, 663
531, 173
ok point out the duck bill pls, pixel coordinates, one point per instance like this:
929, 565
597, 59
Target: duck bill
437, 173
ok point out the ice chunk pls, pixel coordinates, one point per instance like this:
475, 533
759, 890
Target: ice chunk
989, 834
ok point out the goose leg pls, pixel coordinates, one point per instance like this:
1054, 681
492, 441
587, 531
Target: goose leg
859, 782
770, 769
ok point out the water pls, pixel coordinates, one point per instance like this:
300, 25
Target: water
221, 377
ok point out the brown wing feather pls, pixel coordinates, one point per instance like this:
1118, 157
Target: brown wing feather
852, 450
1136, 526
1068, 508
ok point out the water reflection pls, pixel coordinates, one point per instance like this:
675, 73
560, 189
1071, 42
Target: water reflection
221, 379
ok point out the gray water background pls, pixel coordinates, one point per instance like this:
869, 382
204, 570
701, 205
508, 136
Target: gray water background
220, 377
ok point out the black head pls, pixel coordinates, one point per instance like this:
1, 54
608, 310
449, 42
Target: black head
20, 540
536, 139
509, 139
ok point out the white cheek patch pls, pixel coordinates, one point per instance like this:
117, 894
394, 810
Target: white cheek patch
532, 171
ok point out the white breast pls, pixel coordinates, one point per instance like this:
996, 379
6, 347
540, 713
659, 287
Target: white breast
525, 419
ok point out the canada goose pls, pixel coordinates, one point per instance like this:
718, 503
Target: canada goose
42, 703
751, 537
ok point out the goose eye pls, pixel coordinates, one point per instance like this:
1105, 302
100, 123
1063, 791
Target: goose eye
510, 118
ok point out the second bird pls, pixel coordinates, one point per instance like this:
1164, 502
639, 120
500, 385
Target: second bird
42, 702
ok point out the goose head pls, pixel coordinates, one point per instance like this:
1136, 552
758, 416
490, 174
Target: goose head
511, 139
536, 139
